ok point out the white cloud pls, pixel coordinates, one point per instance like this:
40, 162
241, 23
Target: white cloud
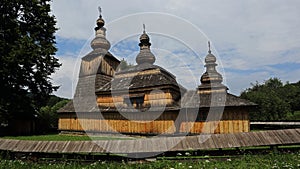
66, 76
249, 35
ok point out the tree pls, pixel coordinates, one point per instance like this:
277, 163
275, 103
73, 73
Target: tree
124, 65
291, 94
271, 98
47, 117
27, 48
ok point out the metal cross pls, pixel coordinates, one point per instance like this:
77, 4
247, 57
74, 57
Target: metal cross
144, 28
99, 9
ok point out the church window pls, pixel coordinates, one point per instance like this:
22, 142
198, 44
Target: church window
135, 101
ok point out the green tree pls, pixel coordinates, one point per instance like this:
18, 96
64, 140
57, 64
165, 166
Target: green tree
124, 65
47, 117
27, 48
271, 98
291, 94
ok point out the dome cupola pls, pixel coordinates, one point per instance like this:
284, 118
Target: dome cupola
211, 79
145, 55
100, 42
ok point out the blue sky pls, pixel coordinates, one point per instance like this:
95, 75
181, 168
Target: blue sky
252, 40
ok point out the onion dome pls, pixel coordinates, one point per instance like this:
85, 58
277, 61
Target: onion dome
211, 75
100, 23
145, 55
100, 41
211, 79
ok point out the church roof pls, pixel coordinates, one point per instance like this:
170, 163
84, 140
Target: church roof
69, 107
95, 53
141, 76
192, 99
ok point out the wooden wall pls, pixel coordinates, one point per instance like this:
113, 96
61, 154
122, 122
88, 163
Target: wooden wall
232, 121
100, 65
89, 67
150, 99
114, 122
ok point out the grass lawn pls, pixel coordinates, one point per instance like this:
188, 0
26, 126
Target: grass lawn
247, 161
62, 137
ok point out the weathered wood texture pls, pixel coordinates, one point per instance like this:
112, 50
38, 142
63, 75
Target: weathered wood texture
98, 64
158, 144
231, 121
114, 122
166, 98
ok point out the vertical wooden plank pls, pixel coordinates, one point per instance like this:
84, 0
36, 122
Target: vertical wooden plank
221, 125
230, 122
217, 129
240, 121
181, 127
230, 126
246, 123
75, 122
129, 126
104, 125
81, 121
236, 126
121, 126
196, 127
72, 123
206, 127
101, 125
147, 127
226, 123
247, 120
94, 124
59, 123
88, 124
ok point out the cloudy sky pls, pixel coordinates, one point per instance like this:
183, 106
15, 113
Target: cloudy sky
253, 40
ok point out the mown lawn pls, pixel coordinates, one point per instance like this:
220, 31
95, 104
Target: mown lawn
247, 161
62, 137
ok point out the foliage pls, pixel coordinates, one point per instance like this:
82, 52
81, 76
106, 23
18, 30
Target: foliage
294, 116
275, 100
247, 161
27, 48
124, 65
47, 117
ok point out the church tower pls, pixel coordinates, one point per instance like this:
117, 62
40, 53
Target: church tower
97, 69
211, 80
99, 65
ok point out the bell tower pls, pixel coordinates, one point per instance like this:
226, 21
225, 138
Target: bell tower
211, 80
99, 62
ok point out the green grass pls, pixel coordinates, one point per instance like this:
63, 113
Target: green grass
247, 161
61, 137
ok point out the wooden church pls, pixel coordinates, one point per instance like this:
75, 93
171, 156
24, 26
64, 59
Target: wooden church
146, 99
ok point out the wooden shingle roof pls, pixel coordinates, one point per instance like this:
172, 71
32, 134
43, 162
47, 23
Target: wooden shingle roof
86, 87
141, 76
192, 99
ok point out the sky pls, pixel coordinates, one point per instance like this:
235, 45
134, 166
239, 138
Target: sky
252, 40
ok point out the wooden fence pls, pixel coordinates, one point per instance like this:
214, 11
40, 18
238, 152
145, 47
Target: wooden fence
158, 144
274, 125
